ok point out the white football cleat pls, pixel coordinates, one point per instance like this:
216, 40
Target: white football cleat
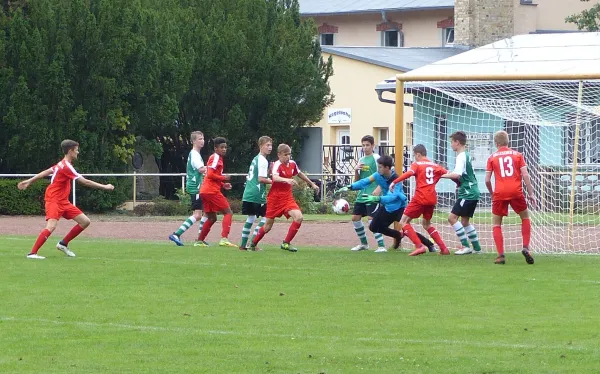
65, 249
360, 247
35, 256
381, 250
464, 251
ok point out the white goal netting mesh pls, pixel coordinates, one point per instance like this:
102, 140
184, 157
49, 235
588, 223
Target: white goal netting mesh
553, 123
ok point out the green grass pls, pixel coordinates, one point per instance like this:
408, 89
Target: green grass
125, 307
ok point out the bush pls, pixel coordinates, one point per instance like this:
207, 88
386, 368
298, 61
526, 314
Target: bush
15, 202
305, 197
236, 205
93, 200
162, 207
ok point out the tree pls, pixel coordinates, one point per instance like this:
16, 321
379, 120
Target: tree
588, 20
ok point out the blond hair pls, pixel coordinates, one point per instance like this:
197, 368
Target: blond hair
263, 140
283, 148
501, 138
195, 135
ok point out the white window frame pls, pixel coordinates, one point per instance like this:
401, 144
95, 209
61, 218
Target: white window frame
381, 131
589, 138
445, 34
400, 38
327, 33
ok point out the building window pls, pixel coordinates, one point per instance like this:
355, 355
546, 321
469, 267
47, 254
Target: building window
448, 36
327, 39
392, 38
588, 150
441, 139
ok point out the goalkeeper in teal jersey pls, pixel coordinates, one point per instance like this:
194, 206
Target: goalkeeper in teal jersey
468, 196
195, 171
254, 200
367, 165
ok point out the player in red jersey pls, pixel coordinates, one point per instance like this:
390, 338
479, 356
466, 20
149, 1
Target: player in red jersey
508, 168
427, 174
56, 199
212, 197
280, 200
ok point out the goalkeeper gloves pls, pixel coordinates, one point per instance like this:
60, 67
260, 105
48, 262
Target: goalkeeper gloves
343, 189
371, 198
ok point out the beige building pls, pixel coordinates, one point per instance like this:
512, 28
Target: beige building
357, 110
431, 23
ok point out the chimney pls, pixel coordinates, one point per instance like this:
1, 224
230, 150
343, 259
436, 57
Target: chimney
480, 22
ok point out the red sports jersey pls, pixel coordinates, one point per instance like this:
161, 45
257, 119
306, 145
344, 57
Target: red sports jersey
281, 190
427, 174
60, 182
214, 180
506, 166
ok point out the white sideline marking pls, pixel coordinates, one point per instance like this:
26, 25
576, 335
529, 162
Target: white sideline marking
191, 330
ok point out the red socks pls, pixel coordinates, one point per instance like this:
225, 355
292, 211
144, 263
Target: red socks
526, 232
499, 240
44, 235
412, 235
206, 229
76, 230
259, 236
226, 225
437, 238
294, 227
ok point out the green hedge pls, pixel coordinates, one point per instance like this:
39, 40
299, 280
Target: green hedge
16, 202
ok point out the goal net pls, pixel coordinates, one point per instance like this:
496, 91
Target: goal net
555, 124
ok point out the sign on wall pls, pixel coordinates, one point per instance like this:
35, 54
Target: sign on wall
480, 146
339, 115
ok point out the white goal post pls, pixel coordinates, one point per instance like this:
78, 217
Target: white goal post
553, 119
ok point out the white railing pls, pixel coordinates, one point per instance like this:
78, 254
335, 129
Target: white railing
133, 175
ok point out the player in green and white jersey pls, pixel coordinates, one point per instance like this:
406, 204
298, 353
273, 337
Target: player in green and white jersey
468, 196
254, 200
367, 165
195, 171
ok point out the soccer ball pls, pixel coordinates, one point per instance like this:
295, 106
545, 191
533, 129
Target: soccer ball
341, 206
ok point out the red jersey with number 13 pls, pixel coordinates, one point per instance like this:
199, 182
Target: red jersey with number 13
506, 166
427, 173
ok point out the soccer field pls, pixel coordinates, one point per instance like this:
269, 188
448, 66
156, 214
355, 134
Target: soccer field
150, 307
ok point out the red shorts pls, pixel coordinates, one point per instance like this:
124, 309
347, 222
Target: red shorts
56, 210
500, 207
416, 210
214, 203
277, 208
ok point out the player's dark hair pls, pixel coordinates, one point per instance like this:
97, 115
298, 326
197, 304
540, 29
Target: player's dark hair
386, 161
219, 140
368, 138
67, 145
420, 148
460, 137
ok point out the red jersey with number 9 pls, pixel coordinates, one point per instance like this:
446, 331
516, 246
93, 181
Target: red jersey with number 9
427, 174
506, 166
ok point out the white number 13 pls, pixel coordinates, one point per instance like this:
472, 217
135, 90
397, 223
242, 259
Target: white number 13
506, 166
429, 175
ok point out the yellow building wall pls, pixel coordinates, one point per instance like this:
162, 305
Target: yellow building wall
419, 28
353, 85
551, 13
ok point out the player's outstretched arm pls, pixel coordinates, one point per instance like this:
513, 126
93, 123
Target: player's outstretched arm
92, 184
42, 174
488, 181
277, 178
308, 181
265, 180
